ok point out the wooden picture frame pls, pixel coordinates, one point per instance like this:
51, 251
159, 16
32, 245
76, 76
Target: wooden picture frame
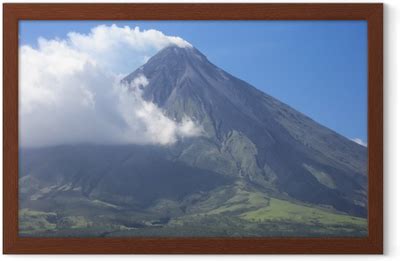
372, 13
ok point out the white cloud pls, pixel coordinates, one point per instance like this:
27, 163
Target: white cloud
360, 142
122, 49
70, 91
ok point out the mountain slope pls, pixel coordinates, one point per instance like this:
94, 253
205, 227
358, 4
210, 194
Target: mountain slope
288, 148
259, 168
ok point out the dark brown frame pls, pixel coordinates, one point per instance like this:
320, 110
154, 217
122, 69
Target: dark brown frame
372, 13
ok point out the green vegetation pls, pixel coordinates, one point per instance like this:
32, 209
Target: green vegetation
36, 221
237, 210
228, 211
321, 176
74, 222
281, 210
257, 207
242, 200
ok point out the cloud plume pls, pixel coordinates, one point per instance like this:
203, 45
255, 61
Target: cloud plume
71, 90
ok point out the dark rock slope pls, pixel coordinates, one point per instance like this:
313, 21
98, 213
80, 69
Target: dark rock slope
251, 135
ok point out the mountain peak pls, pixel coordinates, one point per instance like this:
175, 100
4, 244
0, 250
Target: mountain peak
179, 53
175, 67
177, 48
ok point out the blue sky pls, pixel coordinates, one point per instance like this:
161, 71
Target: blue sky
317, 67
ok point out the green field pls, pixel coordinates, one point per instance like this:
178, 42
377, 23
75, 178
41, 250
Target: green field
256, 207
285, 210
229, 211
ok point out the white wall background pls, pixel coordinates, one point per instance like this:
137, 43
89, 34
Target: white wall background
391, 163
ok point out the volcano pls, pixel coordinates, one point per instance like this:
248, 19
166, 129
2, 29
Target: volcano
259, 168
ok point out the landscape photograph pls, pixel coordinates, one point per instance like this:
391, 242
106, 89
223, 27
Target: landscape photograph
193, 129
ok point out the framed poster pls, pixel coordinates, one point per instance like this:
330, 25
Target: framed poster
193, 128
